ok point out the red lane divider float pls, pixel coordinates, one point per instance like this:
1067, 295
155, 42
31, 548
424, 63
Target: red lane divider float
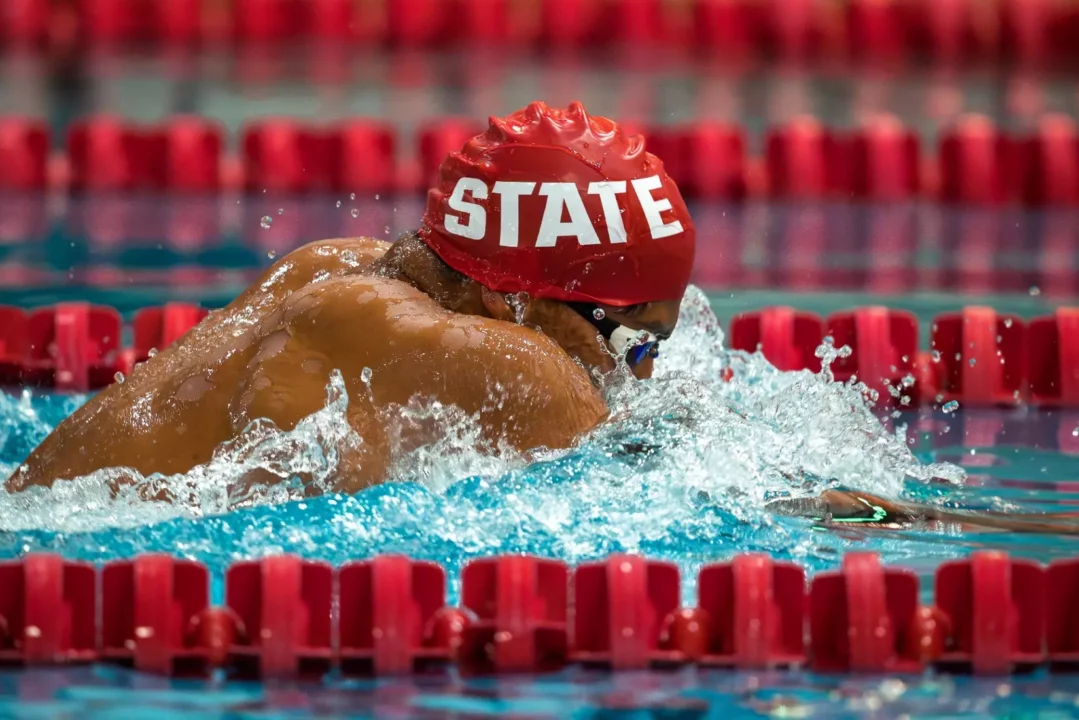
977, 357
976, 164
14, 344
24, 154
996, 609
621, 607
392, 617
1053, 359
285, 607
862, 618
992, 615
152, 611
78, 346
519, 605
753, 612
959, 31
788, 338
884, 346
49, 608
72, 346
1061, 621
158, 327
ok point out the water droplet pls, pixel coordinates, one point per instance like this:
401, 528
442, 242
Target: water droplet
271, 254
1035, 291
280, 211
936, 356
1075, 432
599, 314
352, 196
355, 213
959, 356
950, 406
518, 301
152, 352
947, 428
386, 230
338, 203
973, 362
1007, 322
365, 375
376, 196
908, 381
118, 377
267, 222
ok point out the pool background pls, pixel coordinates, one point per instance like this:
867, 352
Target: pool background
52, 249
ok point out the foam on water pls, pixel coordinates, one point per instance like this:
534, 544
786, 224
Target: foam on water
682, 471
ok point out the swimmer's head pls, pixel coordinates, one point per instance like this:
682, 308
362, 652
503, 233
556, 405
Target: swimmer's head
571, 210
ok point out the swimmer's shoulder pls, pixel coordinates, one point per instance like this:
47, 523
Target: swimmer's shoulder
396, 311
315, 260
351, 252
545, 397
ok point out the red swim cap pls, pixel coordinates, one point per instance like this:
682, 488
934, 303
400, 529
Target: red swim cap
563, 206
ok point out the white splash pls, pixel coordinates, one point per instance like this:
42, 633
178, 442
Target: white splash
686, 437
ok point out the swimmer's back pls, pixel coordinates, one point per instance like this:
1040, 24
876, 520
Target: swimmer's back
270, 353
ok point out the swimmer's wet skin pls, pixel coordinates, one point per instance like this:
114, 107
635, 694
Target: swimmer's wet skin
546, 208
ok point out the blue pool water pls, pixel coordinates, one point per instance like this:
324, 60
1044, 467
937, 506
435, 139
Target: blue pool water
683, 474
105, 692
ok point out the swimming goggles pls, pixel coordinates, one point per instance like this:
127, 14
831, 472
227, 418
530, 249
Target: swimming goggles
635, 345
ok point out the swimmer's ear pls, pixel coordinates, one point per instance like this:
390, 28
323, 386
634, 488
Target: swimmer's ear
497, 306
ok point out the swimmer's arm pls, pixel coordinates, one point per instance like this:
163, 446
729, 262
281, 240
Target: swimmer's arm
836, 507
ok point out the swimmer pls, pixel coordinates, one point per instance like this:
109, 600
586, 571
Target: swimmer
552, 247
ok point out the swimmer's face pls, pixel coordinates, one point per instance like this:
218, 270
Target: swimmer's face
658, 318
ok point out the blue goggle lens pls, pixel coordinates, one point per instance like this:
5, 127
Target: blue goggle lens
637, 353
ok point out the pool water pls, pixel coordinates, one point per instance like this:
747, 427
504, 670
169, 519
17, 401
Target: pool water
105, 692
683, 474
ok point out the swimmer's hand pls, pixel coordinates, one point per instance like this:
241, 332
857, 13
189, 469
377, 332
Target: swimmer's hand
837, 506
